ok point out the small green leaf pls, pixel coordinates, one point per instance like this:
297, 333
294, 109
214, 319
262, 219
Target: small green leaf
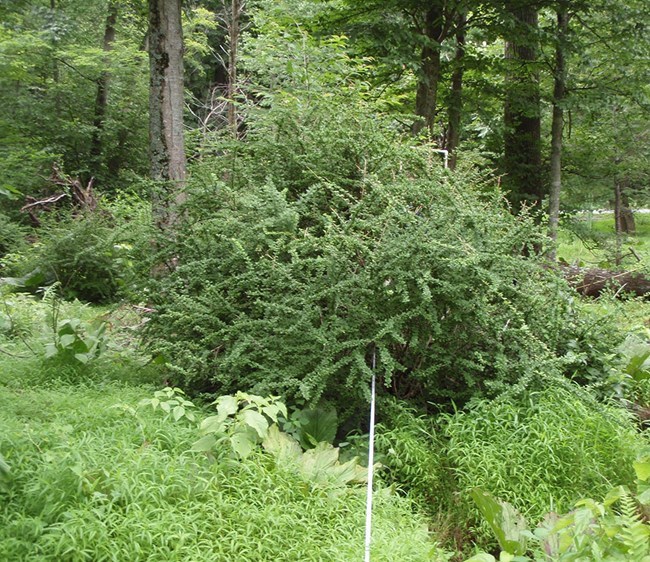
67, 340
82, 357
642, 469
50, 350
179, 412
212, 424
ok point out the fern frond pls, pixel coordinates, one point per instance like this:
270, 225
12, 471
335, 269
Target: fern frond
635, 534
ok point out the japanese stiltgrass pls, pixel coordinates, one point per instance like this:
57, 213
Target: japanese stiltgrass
91, 481
541, 451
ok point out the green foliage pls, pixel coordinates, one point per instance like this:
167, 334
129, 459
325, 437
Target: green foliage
172, 401
75, 340
412, 454
12, 235
590, 240
318, 465
94, 256
311, 426
614, 529
83, 255
242, 421
542, 451
508, 526
288, 296
52, 59
92, 482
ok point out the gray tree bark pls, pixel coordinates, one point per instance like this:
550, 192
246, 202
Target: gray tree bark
559, 93
166, 104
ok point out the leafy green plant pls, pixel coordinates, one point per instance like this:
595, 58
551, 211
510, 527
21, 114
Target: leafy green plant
77, 341
311, 426
507, 524
94, 256
172, 401
319, 464
614, 529
242, 421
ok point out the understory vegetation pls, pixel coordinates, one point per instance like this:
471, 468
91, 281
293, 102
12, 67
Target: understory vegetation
226, 396
186, 363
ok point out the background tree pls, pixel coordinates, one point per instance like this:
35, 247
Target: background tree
522, 158
166, 104
557, 126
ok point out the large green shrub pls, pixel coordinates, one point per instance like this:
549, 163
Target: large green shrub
291, 297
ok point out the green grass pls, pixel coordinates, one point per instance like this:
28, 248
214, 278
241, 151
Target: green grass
93, 482
596, 244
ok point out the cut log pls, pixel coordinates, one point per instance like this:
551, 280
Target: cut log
591, 282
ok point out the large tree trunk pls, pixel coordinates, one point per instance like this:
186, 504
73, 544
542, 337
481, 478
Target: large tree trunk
166, 137
101, 99
559, 93
522, 137
456, 95
427, 90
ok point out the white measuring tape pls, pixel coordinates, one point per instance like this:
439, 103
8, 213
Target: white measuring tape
371, 459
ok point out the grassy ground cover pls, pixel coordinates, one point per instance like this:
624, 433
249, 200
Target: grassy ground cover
593, 242
93, 477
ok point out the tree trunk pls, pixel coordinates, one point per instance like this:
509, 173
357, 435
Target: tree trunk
166, 104
559, 93
236, 8
522, 137
618, 226
101, 99
427, 90
456, 95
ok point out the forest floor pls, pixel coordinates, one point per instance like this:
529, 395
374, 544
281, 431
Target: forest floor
591, 242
